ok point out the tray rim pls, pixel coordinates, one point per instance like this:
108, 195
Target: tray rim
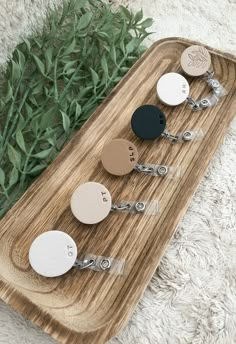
41, 317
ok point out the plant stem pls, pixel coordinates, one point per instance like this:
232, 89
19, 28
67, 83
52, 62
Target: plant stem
12, 105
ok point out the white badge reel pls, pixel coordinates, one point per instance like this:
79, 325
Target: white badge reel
91, 203
173, 89
54, 253
120, 157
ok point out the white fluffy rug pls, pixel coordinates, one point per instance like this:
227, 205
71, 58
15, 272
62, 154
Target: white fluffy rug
192, 296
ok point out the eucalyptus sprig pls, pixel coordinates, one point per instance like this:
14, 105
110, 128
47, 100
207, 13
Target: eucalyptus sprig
54, 82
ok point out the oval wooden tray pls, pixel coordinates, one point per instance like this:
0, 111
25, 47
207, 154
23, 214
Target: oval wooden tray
88, 307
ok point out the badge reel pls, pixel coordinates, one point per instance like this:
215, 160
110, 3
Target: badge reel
54, 253
120, 157
173, 89
91, 203
148, 122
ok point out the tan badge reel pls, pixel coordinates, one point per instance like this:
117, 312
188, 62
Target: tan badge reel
91, 203
120, 157
173, 89
54, 253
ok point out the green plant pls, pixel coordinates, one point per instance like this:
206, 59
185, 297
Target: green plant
54, 82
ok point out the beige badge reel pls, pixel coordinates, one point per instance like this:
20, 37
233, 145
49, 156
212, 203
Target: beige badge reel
120, 157
91, 203
173, 89
54, 253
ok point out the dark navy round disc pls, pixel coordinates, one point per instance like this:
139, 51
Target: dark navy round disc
148, 122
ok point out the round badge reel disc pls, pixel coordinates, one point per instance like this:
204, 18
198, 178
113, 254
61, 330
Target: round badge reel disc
52, 254
91, 203
119, 157
148, 122
172, 89
195, 60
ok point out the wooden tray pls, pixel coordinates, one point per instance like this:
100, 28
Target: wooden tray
88, 307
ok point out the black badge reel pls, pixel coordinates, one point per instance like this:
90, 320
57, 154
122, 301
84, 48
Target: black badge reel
148, 122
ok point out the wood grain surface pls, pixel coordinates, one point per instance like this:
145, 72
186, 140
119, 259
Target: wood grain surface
87, 307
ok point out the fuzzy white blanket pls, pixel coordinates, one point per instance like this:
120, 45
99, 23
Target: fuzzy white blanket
192, 296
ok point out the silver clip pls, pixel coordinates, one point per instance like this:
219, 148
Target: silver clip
218, 92
170, 137
162, 170
84, 264
144, 168
153, 170
111, 265
138, 207
94, 264
105, 264
187, 135
182, 137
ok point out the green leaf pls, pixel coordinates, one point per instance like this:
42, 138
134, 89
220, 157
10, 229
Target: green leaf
2, 104
36, 170
69, 65
43, 154
113, 53
138, 16
122, 47
104, 65
48, 58
70, 71
14, 156
80, 4
38, 89
65, 121
124, 69
141, 49
35, 126
117, 79
2, 177
21, 59
131, 46
20, 140
104, 36
9, 93
14, 175
16, 73
38, 42
28, 109
78, 111
147, 23
95, 77
39, 64
84, 20
21, 123
125, 12
33, 100
28, 45
84, 91
70, 48
48, 119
